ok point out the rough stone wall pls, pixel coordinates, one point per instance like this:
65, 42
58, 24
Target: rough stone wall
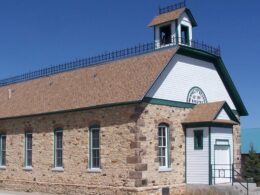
116, 123
147, 142
237, 147
129, 150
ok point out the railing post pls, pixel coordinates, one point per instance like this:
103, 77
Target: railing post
232, 174
247, 186
210, 174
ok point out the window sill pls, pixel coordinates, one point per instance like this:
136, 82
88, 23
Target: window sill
58, 169
2, 167
162, 169
94, 170
28, 168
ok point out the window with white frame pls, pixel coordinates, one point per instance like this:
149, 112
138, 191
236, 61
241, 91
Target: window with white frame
28, 149
163, 146
94, 147
58, 154
3, 150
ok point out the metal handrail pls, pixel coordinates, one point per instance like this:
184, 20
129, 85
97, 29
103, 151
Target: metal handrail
171, 7
215, 170
233, 174
239, 175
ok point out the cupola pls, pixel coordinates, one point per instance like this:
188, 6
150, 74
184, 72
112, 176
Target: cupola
173, 25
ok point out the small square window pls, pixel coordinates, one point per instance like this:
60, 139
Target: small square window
198, 139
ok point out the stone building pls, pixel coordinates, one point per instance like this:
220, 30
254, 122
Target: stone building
144, 120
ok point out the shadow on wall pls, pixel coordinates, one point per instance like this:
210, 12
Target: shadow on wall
105, 117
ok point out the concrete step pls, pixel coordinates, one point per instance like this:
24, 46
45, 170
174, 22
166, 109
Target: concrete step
213, 190
227, 190
223, 189
252, 188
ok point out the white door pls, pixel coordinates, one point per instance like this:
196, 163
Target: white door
222, 167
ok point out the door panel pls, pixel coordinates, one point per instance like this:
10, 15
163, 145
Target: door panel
222, 165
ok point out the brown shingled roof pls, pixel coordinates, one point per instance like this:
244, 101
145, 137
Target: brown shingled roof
172, 15
166, 17
208, 113
119, 81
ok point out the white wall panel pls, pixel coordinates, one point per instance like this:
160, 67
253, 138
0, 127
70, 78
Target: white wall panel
197, 161
182, 74
223, 115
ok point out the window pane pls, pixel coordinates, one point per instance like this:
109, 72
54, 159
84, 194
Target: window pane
164, 141
95, 143
95, 163
3, 158
95, 134
59, 158
3, 142
3, 152
58, 149
28, 147
162, 151
163, 132
198, 139
163, 146
29, 158
95, 158
162, 161
95, 153
94, 147
59, 140
29, 141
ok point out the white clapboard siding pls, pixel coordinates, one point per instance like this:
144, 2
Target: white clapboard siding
223, 115
197, 161
184, 73
220, 133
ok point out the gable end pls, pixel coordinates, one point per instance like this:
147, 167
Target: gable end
222, 71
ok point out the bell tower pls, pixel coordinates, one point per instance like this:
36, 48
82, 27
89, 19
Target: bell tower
173, 25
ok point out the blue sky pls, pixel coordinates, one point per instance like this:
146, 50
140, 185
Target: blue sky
38, 33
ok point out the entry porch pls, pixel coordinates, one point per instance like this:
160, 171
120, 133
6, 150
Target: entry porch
210, 144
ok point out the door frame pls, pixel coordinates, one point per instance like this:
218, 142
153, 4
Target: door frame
229, 150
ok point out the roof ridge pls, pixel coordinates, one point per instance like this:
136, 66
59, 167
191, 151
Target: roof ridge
103, 58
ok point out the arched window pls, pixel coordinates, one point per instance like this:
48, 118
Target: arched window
2, 150
94, 147
164, 145
58, 148
28, 149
